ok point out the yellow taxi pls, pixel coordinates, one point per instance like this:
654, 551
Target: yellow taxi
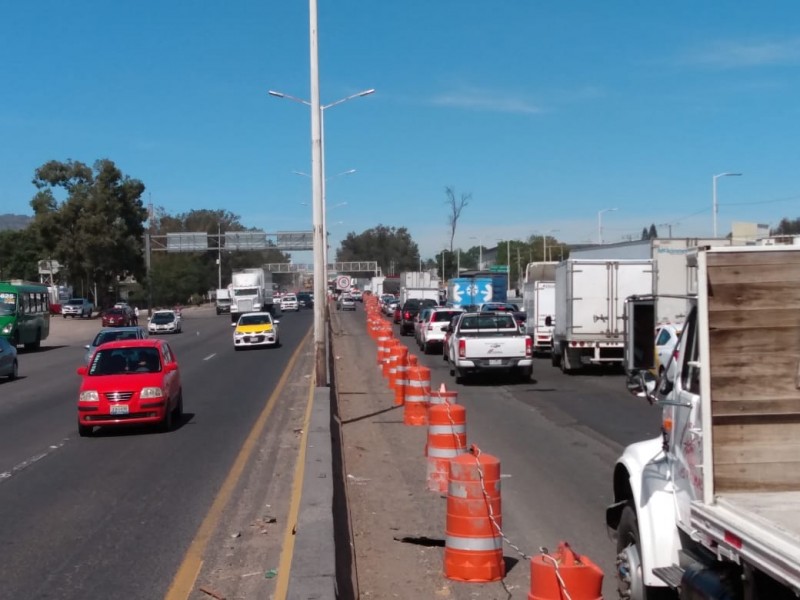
256, 329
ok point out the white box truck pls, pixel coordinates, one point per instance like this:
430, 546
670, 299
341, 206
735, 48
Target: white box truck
222, 301
251, 291
539, 304
590, 309
674, 278
711, 507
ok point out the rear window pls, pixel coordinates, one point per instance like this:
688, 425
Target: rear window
499, 321
444, 315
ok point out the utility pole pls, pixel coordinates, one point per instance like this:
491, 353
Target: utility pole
219, 256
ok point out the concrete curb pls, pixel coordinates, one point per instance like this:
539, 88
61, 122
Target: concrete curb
313, 573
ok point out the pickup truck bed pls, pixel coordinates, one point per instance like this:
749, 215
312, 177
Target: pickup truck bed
766, 523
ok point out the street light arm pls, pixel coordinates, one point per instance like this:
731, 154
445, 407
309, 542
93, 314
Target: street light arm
288, 97
351, 97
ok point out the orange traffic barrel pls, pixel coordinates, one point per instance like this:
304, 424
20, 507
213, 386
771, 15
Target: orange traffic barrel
418, 389
402, 378
443, 395
447, 439
565, 574
473, 547
382, 339
394, 358
388, 348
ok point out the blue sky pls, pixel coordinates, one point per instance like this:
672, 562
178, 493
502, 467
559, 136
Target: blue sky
545, 112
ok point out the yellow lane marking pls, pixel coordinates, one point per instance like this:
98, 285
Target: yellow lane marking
285, 564
184, 580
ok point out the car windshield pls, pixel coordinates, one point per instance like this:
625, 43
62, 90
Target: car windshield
163, 318
125, 361
75, 302
255, 320
111, 336
245, 292
115, 312
8, 304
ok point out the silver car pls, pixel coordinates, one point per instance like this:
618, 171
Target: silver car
113, 334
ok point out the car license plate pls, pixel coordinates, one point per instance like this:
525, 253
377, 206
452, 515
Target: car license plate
119, 409
495, 362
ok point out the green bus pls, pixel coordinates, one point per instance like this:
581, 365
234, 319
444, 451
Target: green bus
24, 313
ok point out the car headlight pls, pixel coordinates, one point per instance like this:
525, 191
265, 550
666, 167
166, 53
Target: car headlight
7, 329
151, 392
89, 396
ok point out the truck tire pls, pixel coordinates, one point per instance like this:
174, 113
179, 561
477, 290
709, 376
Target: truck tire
555, 357
630, 583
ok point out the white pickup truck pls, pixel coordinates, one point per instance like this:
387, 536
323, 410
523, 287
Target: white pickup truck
711, 508
489, 342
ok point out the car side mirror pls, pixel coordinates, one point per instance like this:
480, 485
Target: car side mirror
87, 346
277, 321
82, 370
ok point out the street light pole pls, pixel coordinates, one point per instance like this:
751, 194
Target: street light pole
714, 205
322, 110
318, 203
600, 223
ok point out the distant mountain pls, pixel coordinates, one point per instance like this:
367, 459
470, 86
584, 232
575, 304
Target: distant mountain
15, 222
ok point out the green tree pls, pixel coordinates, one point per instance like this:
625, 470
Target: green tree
652, 233
389, 246
787, 227
20, 252
97, 231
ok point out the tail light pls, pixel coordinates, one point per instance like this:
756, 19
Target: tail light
407, 316
528, 346
430, 327
462, 348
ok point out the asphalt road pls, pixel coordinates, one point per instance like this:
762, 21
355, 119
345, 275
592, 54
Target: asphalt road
112, 516
557, 439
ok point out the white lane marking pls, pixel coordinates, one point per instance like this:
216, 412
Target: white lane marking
6, 475
210, 356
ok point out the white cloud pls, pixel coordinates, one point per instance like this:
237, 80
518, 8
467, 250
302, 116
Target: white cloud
732, 54
486, 101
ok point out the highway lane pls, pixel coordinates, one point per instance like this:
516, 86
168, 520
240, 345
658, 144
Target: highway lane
557, 439
113, 515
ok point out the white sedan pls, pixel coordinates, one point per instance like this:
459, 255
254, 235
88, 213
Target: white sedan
164, 321
256, 329
289, 302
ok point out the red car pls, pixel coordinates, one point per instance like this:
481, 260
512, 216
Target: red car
117, 317
130, 382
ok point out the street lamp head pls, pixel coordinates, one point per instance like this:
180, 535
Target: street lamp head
276, 94
366, 92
